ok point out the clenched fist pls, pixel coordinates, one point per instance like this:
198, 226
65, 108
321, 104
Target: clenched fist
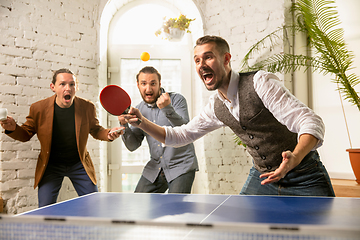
163, 100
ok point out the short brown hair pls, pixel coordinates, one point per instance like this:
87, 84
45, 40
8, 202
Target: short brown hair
148, 69
221, 44
63, 70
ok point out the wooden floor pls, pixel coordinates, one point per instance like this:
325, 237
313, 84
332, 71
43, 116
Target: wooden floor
346, 188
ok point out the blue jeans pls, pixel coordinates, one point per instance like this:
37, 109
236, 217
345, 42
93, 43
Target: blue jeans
181, 184
50, 184
309, 178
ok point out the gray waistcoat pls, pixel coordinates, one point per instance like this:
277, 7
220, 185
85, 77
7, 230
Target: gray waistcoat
265, 137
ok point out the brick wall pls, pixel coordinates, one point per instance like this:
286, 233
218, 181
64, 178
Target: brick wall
37, 37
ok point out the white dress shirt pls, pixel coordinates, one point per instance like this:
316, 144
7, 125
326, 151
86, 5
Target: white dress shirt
287, 109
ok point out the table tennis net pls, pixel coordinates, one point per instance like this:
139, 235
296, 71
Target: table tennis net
51, 228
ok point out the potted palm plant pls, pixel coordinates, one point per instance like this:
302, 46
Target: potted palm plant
319, 20
175, 28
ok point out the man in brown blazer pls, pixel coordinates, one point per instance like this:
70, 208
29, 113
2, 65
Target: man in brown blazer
62, 123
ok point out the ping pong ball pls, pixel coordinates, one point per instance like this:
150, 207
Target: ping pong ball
145, 56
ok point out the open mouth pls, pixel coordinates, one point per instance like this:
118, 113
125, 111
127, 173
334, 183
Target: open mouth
67, 97
208, 77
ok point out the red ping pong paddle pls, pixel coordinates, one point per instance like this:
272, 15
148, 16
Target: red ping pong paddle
115, 100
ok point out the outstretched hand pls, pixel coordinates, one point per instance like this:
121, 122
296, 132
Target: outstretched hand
291, 158
282, 170
114, 133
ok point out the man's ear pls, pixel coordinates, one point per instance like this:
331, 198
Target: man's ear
52, 87
227, 57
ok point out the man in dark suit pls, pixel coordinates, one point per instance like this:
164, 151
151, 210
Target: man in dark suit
62, 123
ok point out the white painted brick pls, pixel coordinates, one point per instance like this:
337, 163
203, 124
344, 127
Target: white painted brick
17, 146
7, 175
41, 45
29, 91
83, 63
26, 209
60, 41
224, 187
58, 49
24, 201
39, 55
25, 62
28, 155
25, 23
43, 83
72, 17
25, 173
4, 59
4, 186
19, 8
52, 57
13, 165
73, 52
212, 167
86, 22
83, 45
43, 29
64, 59
25, 81
11, 89
31, 35
46, 92
55, 66
19, 183
32, 72
87, 55
6, 4
22, 100
26, 191
225, 168
12, 70
16, 51
11, 32
6, 79
43, 65
85, 80
88, 72
7, 41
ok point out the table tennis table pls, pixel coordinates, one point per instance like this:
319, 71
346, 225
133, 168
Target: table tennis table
188, 216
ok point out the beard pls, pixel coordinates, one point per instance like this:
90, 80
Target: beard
215, 86
153, 99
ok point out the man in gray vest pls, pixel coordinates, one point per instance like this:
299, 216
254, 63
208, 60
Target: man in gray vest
281, 133
168, 167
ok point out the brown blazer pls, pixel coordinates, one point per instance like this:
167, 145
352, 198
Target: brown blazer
40, 122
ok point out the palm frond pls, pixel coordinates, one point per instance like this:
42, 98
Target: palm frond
238, 141
268, 42
320, 21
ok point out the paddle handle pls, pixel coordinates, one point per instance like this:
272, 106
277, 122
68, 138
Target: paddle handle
127, 111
